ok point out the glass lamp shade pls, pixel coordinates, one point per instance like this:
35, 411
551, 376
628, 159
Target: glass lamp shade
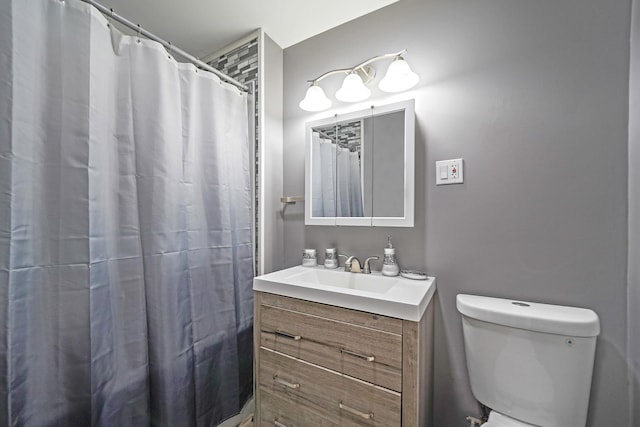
353, 89
399, 77
315, 100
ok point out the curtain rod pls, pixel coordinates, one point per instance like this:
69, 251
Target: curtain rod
138, 29
323, 134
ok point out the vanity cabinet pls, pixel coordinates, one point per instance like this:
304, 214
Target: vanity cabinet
319, 365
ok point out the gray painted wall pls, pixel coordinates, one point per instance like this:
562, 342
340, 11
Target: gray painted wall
534, 96
271, 159
633, 301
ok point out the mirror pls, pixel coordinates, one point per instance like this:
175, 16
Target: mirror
359, 168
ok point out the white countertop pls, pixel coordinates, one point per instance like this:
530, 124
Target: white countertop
388, 296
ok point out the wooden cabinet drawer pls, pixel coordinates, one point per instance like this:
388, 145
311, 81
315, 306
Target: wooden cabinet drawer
355, 317
365, 353
342, 400
282, 412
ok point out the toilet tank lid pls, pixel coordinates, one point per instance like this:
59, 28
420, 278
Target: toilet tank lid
532, 316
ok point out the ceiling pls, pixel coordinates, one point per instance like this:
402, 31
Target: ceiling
202, 27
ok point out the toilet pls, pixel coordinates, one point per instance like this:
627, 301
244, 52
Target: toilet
530, 363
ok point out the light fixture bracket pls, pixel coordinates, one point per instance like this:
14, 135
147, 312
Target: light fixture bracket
366, 73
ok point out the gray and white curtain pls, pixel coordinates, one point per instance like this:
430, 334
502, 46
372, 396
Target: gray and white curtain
323, 176
349, 183
125, 228
336, 180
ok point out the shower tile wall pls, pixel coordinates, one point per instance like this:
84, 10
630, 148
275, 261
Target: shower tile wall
241, 63
347, 133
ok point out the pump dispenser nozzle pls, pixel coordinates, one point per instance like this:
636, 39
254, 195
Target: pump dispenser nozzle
389, 245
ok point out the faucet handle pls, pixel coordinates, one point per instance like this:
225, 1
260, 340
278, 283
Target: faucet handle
366, 269
352, 265
338, 260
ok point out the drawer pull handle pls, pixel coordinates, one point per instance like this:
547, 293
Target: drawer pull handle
361, 356
278, 423
365, 415
280, 381
288, 335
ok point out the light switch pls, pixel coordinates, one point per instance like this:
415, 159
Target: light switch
449, 172
444, 172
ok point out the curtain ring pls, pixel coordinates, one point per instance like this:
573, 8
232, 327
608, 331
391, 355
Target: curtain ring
110, 18
138, 34
170, 49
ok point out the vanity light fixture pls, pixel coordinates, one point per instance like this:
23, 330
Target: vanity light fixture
315, 99
398, 78
353, 89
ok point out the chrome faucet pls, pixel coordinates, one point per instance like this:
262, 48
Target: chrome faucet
366, 269
352, 265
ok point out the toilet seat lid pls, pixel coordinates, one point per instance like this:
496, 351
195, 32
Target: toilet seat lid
497, 419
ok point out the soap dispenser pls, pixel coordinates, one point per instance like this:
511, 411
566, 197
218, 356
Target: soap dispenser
390, 266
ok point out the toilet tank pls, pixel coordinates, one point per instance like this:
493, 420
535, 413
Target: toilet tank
530, 361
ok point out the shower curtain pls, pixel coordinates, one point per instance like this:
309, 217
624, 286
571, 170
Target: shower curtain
336, 180
125, 228
323, 177
349, 183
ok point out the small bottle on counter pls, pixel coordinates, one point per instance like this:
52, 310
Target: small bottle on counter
309, 258
330, 258
390, 266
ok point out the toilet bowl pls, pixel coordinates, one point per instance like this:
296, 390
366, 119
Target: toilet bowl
496, 419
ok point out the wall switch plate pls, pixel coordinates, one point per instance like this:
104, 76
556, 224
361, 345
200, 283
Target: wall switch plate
449, 172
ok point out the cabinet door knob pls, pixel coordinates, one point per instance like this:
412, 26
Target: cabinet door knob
288, 335
365, 415
358, 355
280, 381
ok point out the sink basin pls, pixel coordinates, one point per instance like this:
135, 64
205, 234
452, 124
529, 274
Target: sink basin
389, 296
341, 279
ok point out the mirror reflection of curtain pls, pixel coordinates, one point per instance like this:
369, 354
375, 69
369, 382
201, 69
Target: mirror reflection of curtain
349, 184
357, 204
337, 180
324, 177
